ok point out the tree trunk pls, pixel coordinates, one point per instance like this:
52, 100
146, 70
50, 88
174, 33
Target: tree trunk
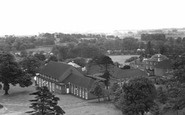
6, 87
142, 112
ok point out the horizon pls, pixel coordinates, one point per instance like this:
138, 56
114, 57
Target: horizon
32, 17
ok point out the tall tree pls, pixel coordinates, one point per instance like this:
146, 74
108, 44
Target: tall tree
97, 89
149, 49
31, 65
179, 69
45, 103
104, 62
138, 96
11, 73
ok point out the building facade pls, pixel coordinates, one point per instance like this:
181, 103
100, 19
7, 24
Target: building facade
64, 79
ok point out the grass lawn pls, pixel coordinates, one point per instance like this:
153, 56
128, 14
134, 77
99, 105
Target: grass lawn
18, 102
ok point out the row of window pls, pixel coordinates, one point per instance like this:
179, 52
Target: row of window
151, 63
79, 91
50, 85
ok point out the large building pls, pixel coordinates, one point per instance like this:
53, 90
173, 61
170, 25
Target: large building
163, 68
157, 65
65, 79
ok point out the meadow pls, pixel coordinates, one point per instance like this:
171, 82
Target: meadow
121, 58
17, 103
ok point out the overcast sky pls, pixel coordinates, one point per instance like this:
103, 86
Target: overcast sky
25, 17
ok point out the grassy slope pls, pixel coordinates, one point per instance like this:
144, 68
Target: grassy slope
18, 102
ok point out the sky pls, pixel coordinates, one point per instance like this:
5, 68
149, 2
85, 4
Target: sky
28, 17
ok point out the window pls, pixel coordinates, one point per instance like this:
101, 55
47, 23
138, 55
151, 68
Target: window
83, 93
67, 88
71, 88
37, 80
53, 86
86, 94
80, 91
50, 87
76, 90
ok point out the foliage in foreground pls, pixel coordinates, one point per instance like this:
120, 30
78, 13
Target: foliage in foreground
98, 89
12, 73
45, 103
136, 96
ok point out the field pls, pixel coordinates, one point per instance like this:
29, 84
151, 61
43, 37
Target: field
42, 48
17, 103
121, 58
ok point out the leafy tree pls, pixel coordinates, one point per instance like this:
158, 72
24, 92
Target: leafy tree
80, 61
176, 86
131, 59
40, 56
126, 67
11, 73
23, 53
114, 87
138, 97
149, 49
31, 65
45, 103
115, 90
104, 62
52, 58
97, 89
179, 69
162, 95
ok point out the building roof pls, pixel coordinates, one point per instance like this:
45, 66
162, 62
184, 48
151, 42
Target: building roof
55, 69
97, 76
165, 64
127, 73
79, 80
158, 58
74, 64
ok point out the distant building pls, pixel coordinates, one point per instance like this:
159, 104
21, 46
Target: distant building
117, 74
154, 60
65, 79
163, 68
156, 65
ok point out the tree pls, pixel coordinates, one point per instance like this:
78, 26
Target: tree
138, 96
97, 89
31, 65
131, 59
162, 96
45, 103
126, 67
40, 56
149, 49
52, 58
104, 62
179, 69
11, 73
176, 89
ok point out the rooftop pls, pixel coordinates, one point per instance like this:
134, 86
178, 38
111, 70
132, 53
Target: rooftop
55, 69
165, 64
79, 80
158, 57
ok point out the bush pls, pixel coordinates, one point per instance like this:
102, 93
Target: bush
1, 106
131, 59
